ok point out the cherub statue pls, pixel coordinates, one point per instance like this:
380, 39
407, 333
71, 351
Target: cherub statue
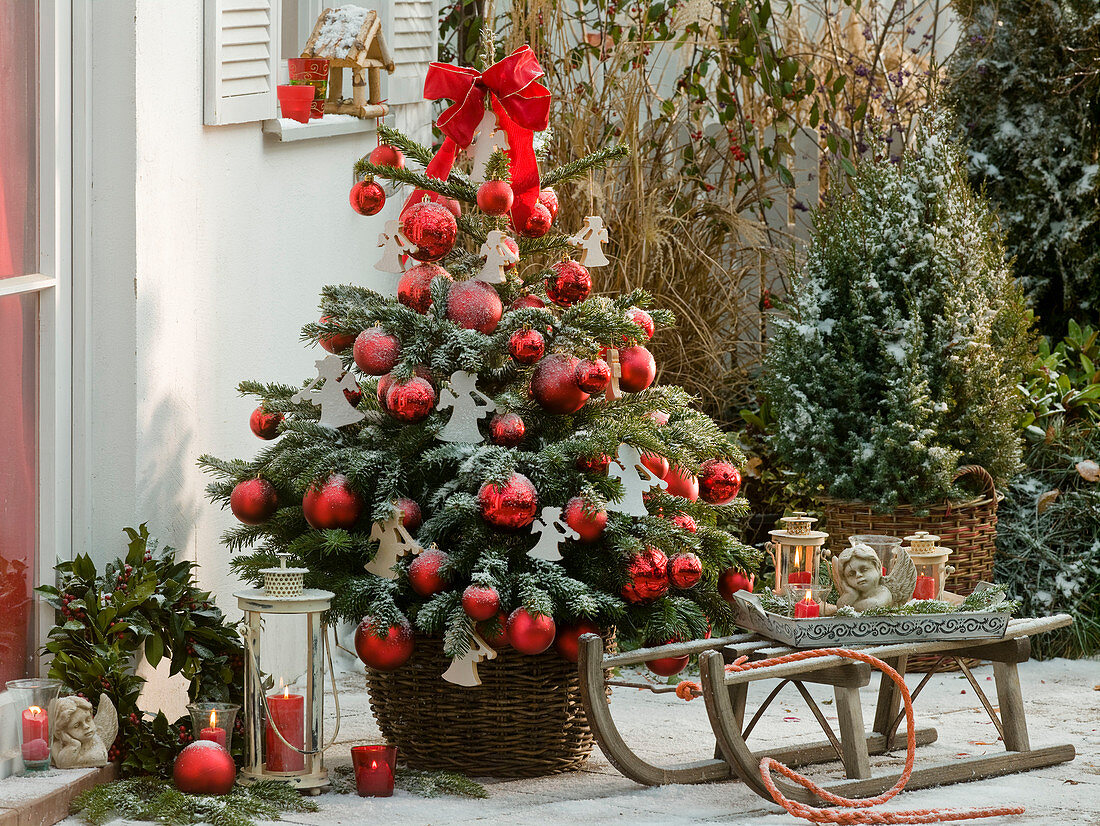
857, 573
81, 741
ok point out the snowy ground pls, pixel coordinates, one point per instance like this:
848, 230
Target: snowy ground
1063, 704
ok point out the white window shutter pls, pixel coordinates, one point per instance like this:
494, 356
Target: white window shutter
241, 60
411, 34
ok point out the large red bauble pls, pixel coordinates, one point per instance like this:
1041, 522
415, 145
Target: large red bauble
732, 580
412, 401
553, 384
367, 198
497, 639
332, 504
639, 369
648, 576
495, 197
538, 222
336, 342
424, 576
667, 666
526, 346
480, 602
507, 429
386, 651
682, 520
530, 633
589, 525
569, 284
512, 505
643, 320
685, 570
593, 464
204, 767
525, 301
432, 228
386, 155
719, 482
568, 641
593, 375
265, 425
657, 465
376, 351
253, 501
410, 514
681, 483
418, 195
549, 199
475, 305
414, 290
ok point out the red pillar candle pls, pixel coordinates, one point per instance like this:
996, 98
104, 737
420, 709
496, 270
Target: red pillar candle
926, 588
213, 732
798, 578
36, 734
806, 608
288, 712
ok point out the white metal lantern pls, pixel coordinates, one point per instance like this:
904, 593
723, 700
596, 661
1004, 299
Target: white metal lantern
930, 561
284, 731
797, 551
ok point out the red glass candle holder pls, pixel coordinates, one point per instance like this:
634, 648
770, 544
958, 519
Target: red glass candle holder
311, 71
374, 768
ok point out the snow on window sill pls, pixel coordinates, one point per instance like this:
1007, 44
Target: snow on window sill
286, 129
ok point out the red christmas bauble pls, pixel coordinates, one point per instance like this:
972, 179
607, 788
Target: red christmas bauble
410, 514
719, 482
386, 651
384, 385
592, 375
507, 429
376, 351
538, 222
553, 385
682, 520
204, 767
414, 290
253, 501
353, 396
593, 464
386, 155
432, 228
480, 602
265, 425
333, 504
685, 570
639, 369
568, 641
496, 639
530, 633
424, 575
512, 505
589, 525
648, 576
474, 305
412, 401
495, 197
526, 346
525, 301
569, 284
643, 320
681, 483
657, 465
418, 195
659, 417
549, 199
667, 666
336, 342
732, 580
367, 198
513, 247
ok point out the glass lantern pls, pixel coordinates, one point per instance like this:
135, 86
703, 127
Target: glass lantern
33, 698
284, 730
214, 721
796, 551
930, 561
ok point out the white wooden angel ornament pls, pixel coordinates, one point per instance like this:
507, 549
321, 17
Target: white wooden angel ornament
551, 530
498, 257
394, 542
393, 244
590, 240
463, 670
857, 574
488, 138
468, 405
613, 390
636, 478
327, 392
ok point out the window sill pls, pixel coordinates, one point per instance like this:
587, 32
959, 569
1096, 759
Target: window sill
286, 129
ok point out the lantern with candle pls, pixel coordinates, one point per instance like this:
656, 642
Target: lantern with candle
797, 551
931, 564
284, 729
214, 721
32, 719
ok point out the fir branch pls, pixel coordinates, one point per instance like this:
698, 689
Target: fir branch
451, 188
395, 137
576, 169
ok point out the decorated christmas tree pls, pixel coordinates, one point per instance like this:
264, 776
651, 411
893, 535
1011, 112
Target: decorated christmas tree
485, 458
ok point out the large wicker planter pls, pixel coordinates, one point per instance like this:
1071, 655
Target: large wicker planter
524, 720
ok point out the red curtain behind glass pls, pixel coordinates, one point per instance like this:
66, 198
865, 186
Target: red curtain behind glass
18, 322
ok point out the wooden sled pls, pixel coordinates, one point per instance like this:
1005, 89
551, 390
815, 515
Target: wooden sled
726, 696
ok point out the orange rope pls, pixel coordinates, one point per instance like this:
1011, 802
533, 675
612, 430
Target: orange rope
688, 690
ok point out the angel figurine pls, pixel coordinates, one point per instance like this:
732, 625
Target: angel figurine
858, 575
81, 741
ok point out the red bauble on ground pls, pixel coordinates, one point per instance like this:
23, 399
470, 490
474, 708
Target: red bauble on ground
530, 633
593, 464
432, 228
376, 351
367, 198
657, 465
512, 505
412, 401
475, 305
336, 342
204, 767
685, 570
538, 222
643, 320
719, 482
682, 520
265, 425
648, 576
593, 375
569, 283
732, 580
553, 384
383, 649
568, 641
253, 501
589, 525
480, 602
414, 290
549, 199
526, 346
639, 369
681, 483
667, 666
386, 155
410, 514
424, 575
495, 197
525, 301
507, 429
497, 639
332, 504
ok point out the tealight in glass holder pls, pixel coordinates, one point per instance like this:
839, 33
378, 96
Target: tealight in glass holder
33, 698
214, 721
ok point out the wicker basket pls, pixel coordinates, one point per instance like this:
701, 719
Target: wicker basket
524, 720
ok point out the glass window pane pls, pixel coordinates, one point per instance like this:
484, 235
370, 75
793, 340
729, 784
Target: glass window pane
18, 138
18, 483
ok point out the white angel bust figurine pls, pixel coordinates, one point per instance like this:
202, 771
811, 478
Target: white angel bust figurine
81, 741
857, 573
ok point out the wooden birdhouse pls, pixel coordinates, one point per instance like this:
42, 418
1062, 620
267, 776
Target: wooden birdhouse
350, 37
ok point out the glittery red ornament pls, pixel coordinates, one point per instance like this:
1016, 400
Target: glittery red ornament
332, 504
568, 641
732, 580
507, 429
553, 384
648, 576
494, 631
412, 401
593, 464
386, 155
376, 351
452, 206
681, 483
685, 570
588, 524
384, 385
538, 222
682, 520
526, 346
335, 342
253, 501
639, 369
204, 767
495, 197
719, 482
353, 396
569, 283
549, 199
657, 465
480, 602
667, 666
512, 505
410, 514
530, 633
475, 305
592, 375
525, 301
414, 290
367, 198
424, 575
432, 228
265, 425
659, 417
643, 320
384, 649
